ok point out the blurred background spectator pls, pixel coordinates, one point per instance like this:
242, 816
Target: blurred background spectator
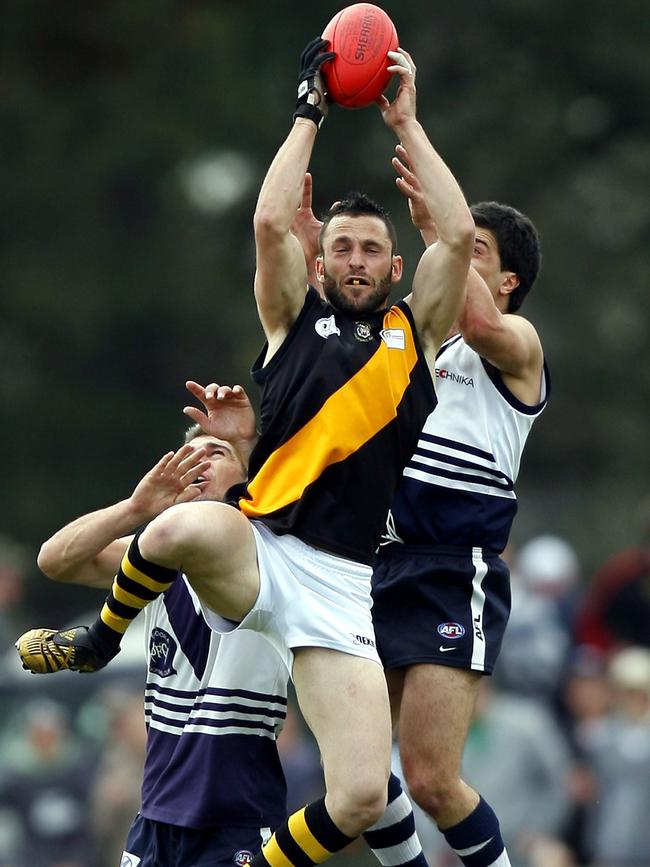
115, 790
616, 607
617, 745
45, 818
585, 698
545, 576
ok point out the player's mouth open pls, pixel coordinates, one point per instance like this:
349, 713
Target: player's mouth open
357, 280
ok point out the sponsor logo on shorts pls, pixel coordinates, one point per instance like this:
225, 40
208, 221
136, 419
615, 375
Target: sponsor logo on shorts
243, 857
327, 326
452, 631
129, 860
363, 640
162, 648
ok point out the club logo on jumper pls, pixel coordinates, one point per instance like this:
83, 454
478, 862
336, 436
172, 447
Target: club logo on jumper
452, 631
327, 326
362, 332
162, 648
243, 857
129, 860
363, 640
394, 338
443, 373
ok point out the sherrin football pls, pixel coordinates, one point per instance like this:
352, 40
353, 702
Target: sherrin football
361, 35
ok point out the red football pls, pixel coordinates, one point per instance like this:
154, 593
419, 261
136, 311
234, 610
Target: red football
361, 35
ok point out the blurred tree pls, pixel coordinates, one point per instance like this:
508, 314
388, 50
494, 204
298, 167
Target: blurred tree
135, 136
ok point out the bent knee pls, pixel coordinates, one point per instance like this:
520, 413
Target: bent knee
356, 808
433, 791
183, 528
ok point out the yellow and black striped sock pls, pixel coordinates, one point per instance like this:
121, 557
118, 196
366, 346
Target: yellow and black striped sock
308, 837
137, 583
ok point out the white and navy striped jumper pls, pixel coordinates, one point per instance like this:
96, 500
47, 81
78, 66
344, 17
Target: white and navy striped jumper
458, 488
213, 707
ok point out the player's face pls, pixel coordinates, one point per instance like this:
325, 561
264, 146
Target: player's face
224, 471
486, 260
357, 266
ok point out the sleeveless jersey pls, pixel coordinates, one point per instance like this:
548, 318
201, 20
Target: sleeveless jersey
458, 488
343, 402
213, 707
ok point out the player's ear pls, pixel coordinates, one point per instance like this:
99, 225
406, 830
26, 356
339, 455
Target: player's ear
396, 268
509, 282
319, 268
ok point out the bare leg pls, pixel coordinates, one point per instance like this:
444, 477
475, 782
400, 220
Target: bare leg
345, 703
436, 710
213, 544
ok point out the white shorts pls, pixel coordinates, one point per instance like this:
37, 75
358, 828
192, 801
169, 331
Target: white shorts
307, 598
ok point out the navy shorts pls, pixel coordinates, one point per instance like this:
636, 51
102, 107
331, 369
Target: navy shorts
157, 844
440, 605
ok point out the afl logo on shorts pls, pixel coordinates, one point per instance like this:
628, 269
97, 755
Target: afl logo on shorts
243, 857
451, 630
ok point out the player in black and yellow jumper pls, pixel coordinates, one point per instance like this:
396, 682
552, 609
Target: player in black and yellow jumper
346, 390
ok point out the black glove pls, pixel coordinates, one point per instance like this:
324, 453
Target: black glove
311, 95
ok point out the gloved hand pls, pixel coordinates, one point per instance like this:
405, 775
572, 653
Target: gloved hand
311, 102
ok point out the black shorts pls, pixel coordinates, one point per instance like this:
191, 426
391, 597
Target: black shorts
157, 844
440, 605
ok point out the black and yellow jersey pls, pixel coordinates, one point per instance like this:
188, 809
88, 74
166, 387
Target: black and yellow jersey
343, 402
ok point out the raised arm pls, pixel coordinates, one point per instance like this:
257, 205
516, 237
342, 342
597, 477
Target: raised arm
508, 341
281, 273
306, 227
89, 550
227, 414
439, 282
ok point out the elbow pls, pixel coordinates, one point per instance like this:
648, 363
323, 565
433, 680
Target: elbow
268, 223
464, 234
52, 563
476, 330
48, 563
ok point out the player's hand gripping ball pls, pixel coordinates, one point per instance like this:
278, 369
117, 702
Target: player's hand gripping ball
361, 36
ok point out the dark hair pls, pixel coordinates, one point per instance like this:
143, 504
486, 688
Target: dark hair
517, 242
358, 204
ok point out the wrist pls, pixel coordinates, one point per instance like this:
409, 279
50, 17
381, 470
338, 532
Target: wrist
308, 114
132, 515
244, 447
407, 127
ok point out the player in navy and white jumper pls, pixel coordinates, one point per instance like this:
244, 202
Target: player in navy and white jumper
213, 789
440, 589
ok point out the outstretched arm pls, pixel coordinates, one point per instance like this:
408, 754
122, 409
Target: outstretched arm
227, 414
306, 227
439, 282
507, 341
409, 186
281, 274
89, 550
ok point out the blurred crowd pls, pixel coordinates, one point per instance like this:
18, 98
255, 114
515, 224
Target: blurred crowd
559, 744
